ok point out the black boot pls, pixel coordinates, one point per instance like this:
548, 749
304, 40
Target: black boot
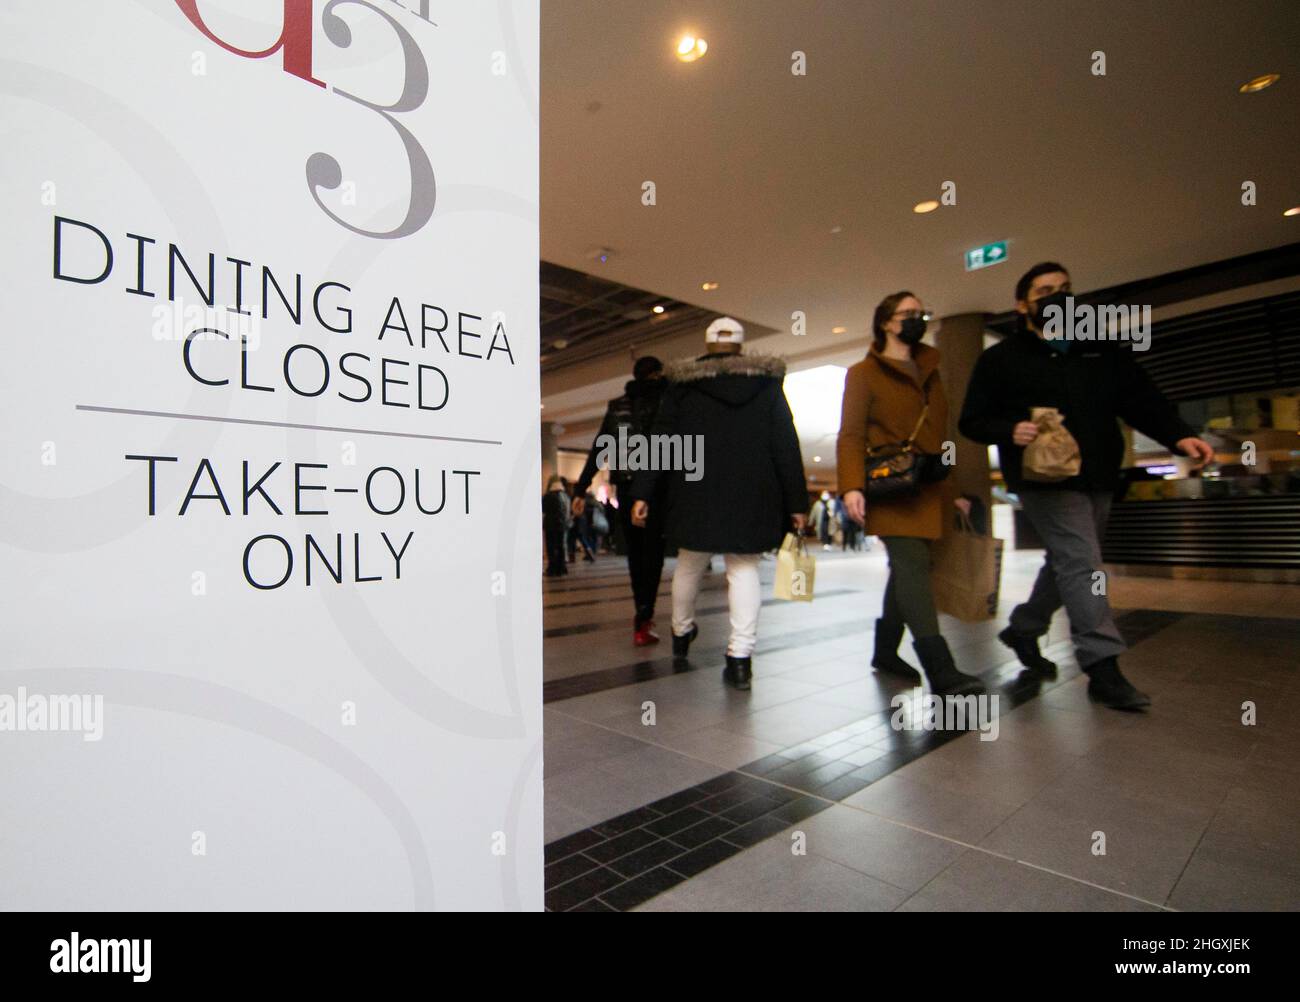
1110, 688
1026, 648
945, 679
737, 673
889, 635
681, 645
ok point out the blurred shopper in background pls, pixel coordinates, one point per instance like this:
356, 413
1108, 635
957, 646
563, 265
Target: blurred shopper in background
891, 397
555, 516
574, 531
634, 412
1093, 384
823, 519
750, 491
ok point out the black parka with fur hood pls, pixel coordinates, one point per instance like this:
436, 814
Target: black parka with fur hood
748, 476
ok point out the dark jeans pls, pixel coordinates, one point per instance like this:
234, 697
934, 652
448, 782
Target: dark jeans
555, 552
645, 560
1071, 525
908, 597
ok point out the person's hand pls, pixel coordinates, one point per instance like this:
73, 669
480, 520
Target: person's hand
855, 506
578, 505
800, 520
1024, 433
962, 505
1200, 450
640, 512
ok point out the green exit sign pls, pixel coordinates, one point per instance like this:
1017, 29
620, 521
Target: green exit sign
982, 257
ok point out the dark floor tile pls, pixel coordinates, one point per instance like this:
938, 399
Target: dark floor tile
625, 822
642, 888
700, 859
670, 823
646, 859
765, 765
705, 831
578, 890
822, 776
844, 786
594, 905
726, 800
566, 869
757, 830
797, 810
571, 844
675, 802
751, 809
719, 783
621, 845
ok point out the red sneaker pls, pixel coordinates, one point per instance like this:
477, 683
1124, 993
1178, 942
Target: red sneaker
645, 634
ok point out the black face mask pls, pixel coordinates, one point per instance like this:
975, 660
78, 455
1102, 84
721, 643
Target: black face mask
1039, 308
911, 330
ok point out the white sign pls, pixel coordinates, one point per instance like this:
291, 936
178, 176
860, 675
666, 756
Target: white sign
271, 558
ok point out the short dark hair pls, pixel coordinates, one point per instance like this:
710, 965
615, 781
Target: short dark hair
1027, 279
646, 366
884, 311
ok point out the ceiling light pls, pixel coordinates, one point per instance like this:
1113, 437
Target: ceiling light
1259, 83
709, 286
1293, 211
838, 330
559, 344
690, 48
929, 206
658, 309
817, 459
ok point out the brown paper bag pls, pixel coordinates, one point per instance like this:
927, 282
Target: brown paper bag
1054, 454
966, 573
795, 571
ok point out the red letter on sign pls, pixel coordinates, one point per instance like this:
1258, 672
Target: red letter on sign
295, 37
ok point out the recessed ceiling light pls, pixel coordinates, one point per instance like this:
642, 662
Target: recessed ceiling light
709, 286
817, 459
658, 309
838, 330
1293, 211
560, 344
1259, 83
690, 48
928, 206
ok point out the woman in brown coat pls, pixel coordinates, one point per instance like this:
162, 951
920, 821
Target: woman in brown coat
885, 396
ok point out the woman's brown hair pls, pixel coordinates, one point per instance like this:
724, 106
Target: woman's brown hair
881, 317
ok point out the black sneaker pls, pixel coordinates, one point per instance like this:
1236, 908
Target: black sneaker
1026, 648
1108, 686
738, 673
681, 645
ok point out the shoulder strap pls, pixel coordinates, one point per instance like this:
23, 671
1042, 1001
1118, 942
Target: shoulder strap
919, 421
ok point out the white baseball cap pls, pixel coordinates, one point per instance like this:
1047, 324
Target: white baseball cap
725, 330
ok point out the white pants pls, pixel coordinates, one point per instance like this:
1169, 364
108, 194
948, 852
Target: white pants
743, 596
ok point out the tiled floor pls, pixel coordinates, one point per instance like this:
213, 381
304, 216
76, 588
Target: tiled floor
665, 790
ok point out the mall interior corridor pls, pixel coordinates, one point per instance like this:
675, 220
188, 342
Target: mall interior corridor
798, 795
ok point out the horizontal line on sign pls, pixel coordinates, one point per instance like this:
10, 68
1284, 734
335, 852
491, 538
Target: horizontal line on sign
283, 424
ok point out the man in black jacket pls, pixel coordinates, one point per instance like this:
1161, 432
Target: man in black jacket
633, 414
746, 490
1093, 384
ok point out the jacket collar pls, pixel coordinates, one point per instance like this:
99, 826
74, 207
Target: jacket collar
926, 359
710, 366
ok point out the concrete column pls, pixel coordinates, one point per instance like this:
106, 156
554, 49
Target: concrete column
960, 340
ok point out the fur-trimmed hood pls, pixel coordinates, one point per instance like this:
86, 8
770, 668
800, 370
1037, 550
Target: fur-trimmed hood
733, 380
688, 370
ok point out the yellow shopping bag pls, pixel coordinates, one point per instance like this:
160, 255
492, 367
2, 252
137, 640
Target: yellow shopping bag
795, 571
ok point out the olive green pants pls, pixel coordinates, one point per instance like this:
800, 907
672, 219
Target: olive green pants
908, 598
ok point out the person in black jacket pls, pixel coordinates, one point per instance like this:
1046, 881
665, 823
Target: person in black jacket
746, 489
1093, 384
633, 414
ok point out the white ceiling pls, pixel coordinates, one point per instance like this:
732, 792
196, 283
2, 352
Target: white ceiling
1123, 176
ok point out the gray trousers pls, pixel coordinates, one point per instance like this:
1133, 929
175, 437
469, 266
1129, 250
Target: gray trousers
1071, 525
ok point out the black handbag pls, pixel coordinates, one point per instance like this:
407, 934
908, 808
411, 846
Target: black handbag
895, 472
